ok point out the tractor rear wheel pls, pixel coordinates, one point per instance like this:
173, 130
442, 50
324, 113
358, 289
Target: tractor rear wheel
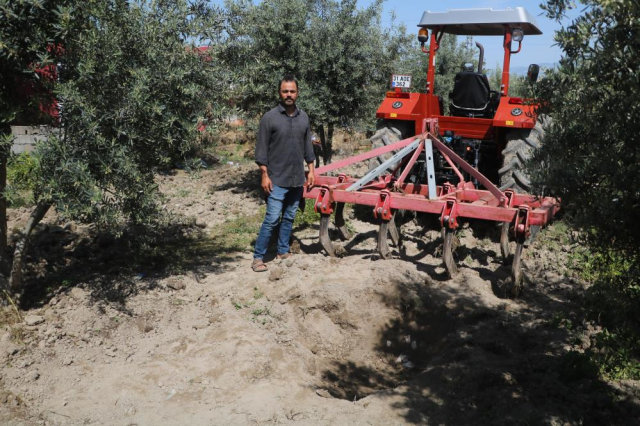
521, 144
388, 132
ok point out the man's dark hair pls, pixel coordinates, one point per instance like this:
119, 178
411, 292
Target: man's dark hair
287, 79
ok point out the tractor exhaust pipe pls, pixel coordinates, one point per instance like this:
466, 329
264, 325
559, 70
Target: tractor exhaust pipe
481, 57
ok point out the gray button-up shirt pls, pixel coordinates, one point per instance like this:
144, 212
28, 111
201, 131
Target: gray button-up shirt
284, 145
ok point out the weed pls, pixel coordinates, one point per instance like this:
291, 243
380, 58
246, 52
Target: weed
236, 305
259, 311
307, 217
240, 233
257, 294
17, 335
558, 320
260, 315
615, 355
8, 317
182, 193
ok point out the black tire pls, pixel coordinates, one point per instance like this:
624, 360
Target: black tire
521, 144
386, 134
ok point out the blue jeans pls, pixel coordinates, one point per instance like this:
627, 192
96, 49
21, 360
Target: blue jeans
281, 201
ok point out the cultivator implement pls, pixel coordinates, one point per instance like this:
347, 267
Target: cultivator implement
387, 189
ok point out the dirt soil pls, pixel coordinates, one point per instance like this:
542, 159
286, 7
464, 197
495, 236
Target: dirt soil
314, 341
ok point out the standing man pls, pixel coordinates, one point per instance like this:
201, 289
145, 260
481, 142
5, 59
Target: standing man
284, 145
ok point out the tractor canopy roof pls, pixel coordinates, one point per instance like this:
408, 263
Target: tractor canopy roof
480, 22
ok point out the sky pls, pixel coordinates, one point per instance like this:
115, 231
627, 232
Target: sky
535, 49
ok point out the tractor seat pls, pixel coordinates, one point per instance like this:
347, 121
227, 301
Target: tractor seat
471, 96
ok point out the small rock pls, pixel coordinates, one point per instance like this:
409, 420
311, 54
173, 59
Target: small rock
304, 266
176, 284
323, 393
77, 293
201, 224
295, 247
204, 323
33, 320
414, 345
276, 274
289, 263
34, 375
68, 361
407, 364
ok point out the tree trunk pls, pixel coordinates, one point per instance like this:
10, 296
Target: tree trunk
323, 141
22, 245
5, 131
328, 151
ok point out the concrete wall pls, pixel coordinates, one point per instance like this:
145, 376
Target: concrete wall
26, 137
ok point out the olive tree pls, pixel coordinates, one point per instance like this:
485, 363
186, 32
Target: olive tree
340, 54
134, 89
591, 155
29, 34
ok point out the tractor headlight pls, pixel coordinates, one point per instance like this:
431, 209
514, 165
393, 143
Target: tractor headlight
423, 35
517, 34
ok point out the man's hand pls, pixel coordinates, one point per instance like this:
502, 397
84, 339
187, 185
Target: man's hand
311, 176
265, 183
311, 179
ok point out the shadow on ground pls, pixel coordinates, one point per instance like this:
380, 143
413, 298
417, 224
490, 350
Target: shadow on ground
114, 269
458, 361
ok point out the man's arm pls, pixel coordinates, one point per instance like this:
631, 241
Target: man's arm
309, 156
262, 155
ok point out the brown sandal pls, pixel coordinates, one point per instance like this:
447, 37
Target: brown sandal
258, 266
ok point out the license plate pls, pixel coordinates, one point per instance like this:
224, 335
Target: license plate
402, 81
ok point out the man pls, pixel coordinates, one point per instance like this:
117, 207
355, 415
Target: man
284, 145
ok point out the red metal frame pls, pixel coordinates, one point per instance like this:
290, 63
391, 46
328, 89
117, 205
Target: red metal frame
453, 202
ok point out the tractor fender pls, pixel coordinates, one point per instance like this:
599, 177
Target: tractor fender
515, 114
402, 106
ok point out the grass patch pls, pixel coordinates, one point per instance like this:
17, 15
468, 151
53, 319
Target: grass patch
308, 216
239, 234
231, 153
21, 178
182, 193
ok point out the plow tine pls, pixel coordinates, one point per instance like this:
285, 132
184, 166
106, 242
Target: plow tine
324, 235
343, 232
447, 252
383, 244
516, 269
504, 241
394, 233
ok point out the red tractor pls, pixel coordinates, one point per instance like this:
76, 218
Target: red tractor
491, 130
466, 164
